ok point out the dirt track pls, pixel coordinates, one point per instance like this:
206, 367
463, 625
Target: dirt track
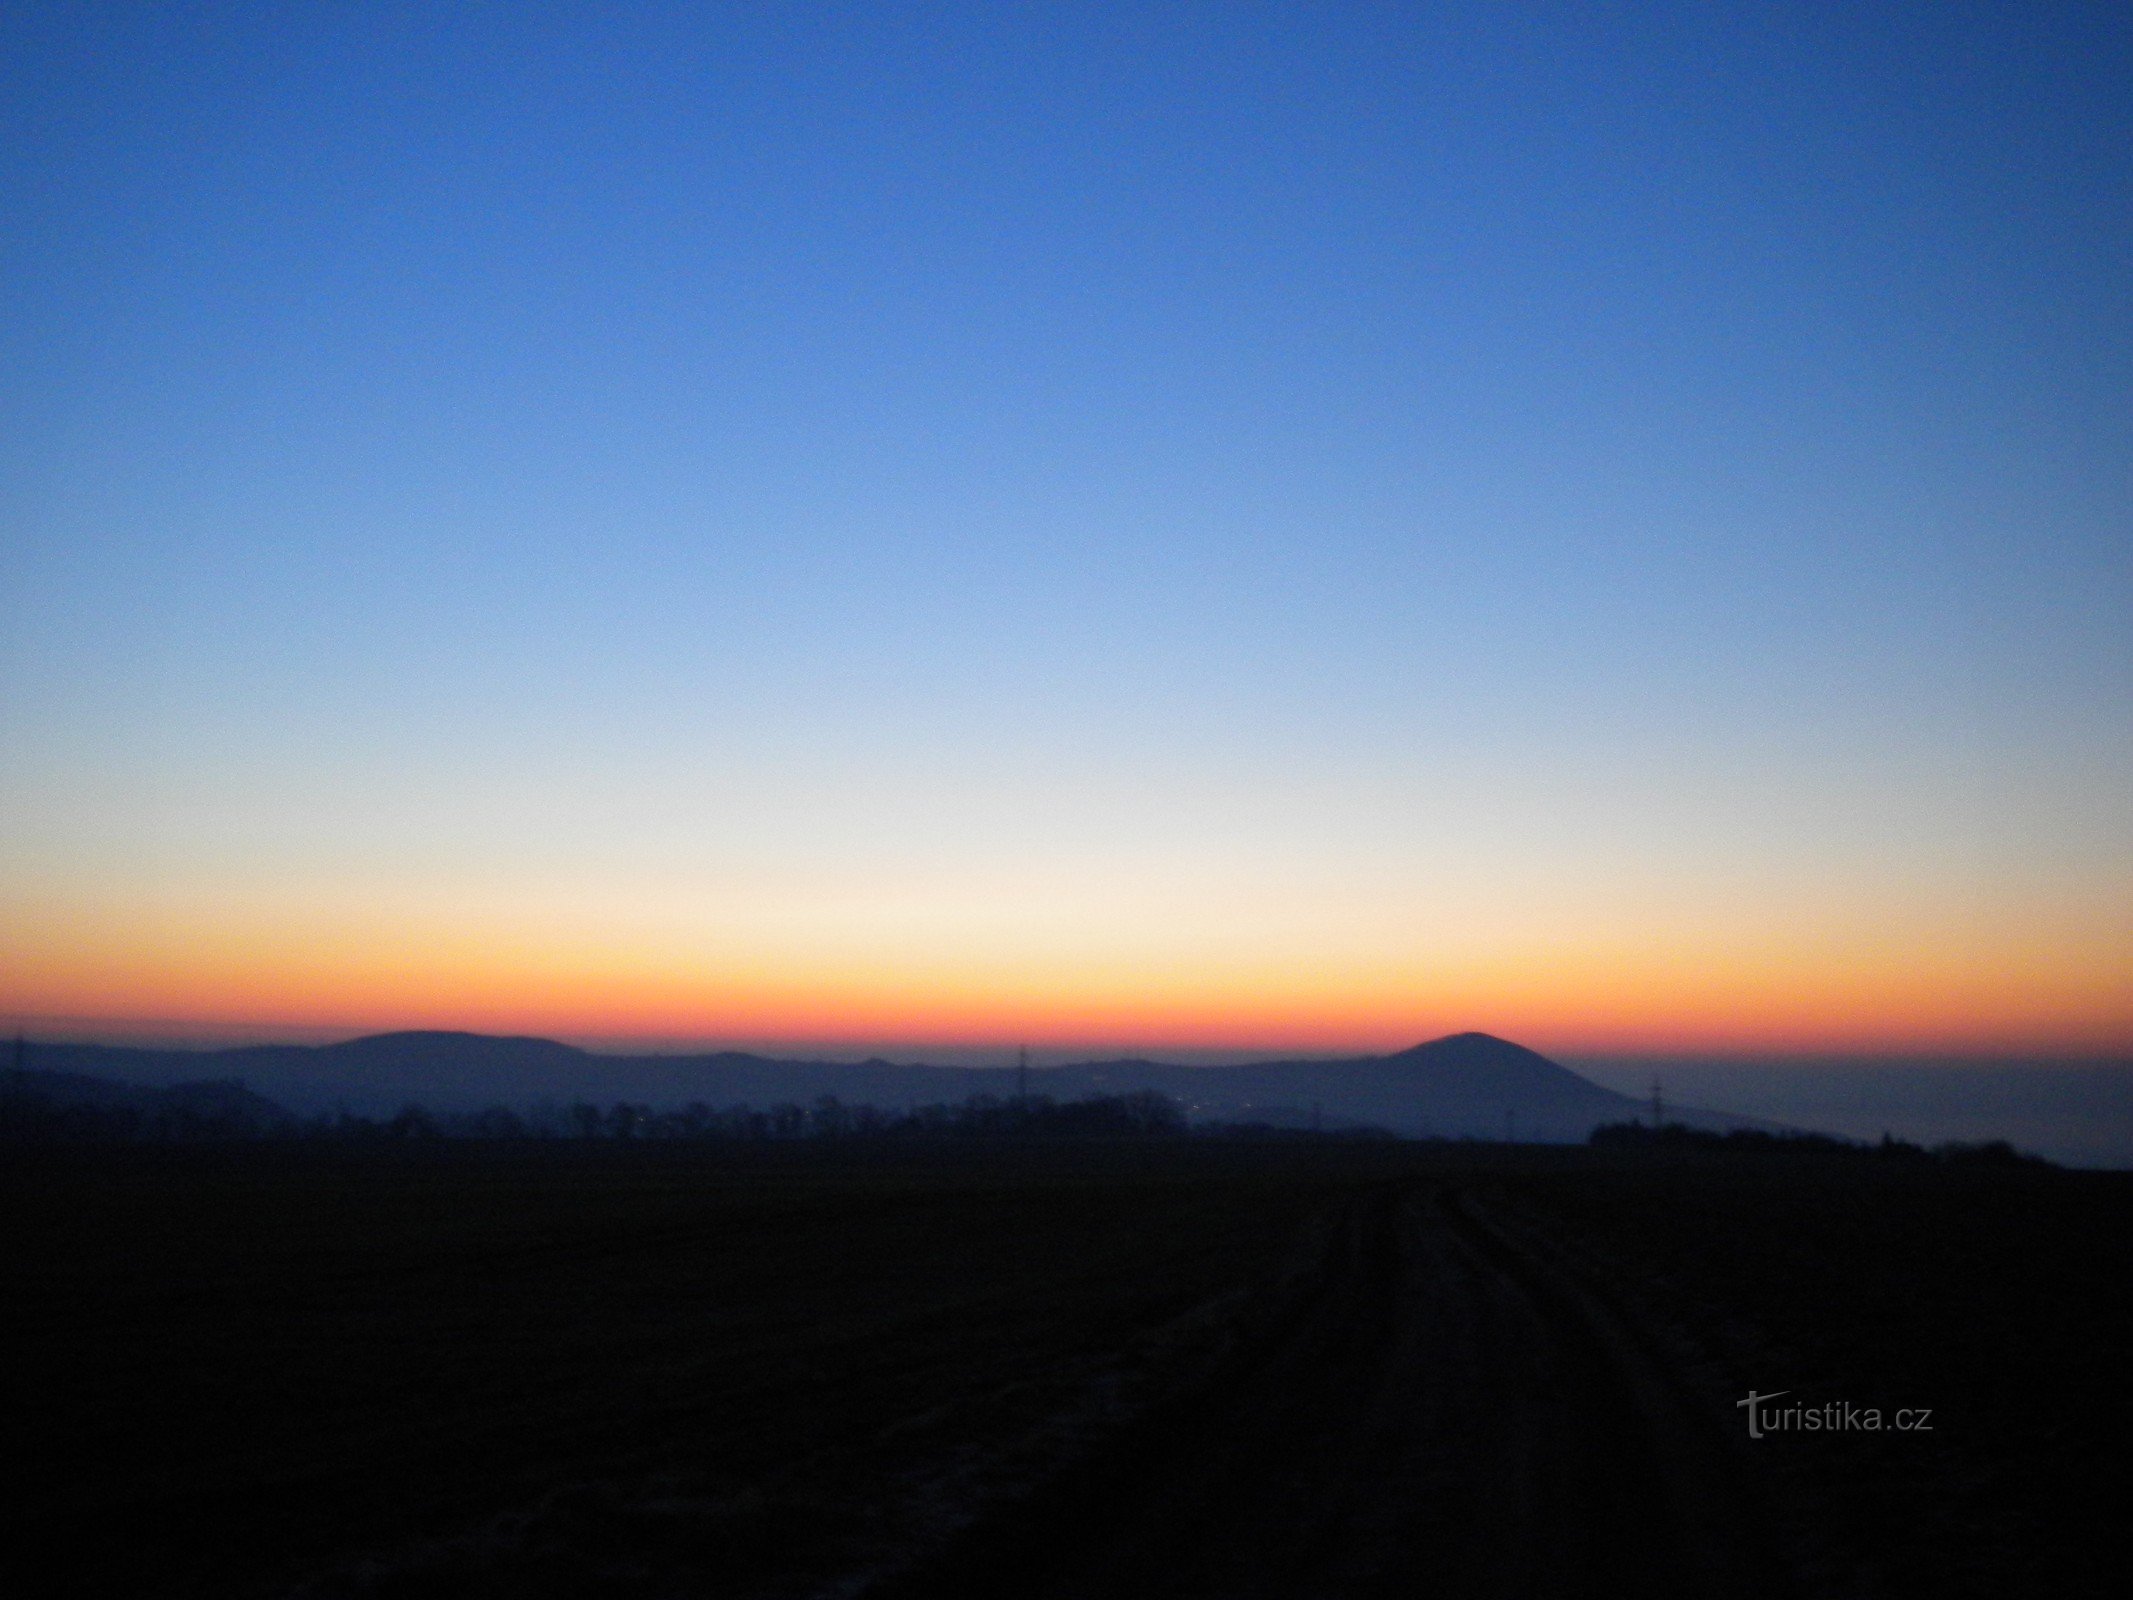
1441, 1405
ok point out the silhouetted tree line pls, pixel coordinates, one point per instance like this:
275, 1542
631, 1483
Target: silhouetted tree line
1141, 1114
1756, 1141
228, 1111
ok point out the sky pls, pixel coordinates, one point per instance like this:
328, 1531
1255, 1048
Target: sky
1163, 526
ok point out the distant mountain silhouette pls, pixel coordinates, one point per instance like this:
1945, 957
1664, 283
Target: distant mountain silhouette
1471, 1057
1469, 1085
384, 1051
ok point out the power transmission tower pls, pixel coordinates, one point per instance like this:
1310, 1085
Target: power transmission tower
1658, 1108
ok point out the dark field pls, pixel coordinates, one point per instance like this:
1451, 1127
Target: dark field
1171, 1368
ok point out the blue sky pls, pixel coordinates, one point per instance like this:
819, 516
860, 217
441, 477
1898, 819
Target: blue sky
902, 503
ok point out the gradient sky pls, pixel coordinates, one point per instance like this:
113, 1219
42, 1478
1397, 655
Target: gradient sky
1160, 525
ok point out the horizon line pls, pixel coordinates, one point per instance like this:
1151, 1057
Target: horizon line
204, 1037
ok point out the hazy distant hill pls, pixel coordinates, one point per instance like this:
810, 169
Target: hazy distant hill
1467, 1085
199, 1103
2076, 1111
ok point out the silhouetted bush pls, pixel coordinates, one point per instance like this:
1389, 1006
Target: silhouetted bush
1677, 1136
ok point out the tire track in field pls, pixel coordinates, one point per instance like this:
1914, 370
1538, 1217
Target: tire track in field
1638, 1482
1438, 1407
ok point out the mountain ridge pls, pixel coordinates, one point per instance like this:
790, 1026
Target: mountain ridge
1470, 1084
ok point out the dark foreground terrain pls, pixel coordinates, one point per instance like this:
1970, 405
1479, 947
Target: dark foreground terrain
1117, 1369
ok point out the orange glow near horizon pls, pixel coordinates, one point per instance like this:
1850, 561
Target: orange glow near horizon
1591, 1000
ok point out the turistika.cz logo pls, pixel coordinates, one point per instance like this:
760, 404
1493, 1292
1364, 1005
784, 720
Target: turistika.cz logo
1832, 1416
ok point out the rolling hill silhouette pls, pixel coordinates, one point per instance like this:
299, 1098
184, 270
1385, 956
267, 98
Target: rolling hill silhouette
1465, 1085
